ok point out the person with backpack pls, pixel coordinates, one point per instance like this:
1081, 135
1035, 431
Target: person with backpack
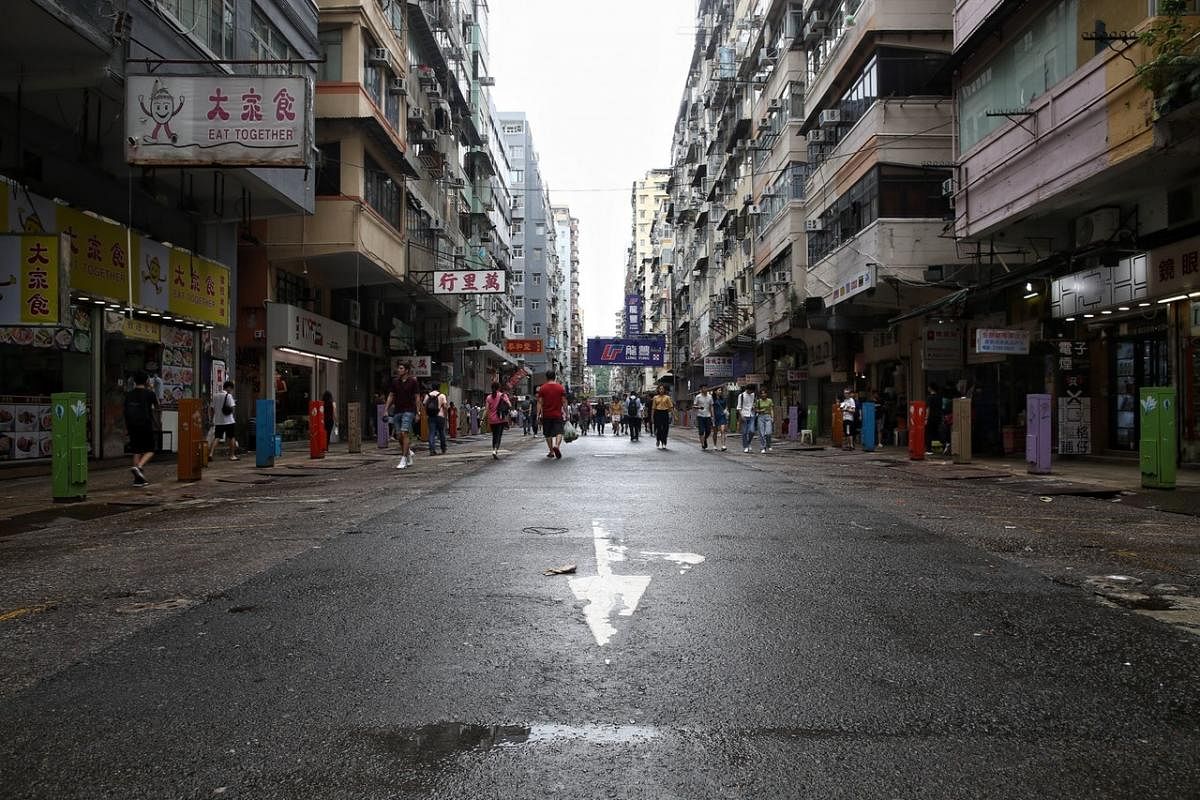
499, 406
141, 405
633, 416
223, 419
435, 410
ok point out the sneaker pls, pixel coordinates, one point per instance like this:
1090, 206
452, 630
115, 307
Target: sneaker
745, 449
762, 450
403, 463
723, 449
770, 449
233, 458
138, 475
494, 455
550, 454
140, 482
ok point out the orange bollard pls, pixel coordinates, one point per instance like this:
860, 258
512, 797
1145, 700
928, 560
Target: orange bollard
838, 434
918, 414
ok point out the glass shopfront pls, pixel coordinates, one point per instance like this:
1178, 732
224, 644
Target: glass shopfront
1137, 362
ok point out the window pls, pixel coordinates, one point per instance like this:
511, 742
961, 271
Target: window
329, 169
268, 43
537, 279
292, 289
519, 278
518, 326
535, 304
518, 228
518, 302
517, 176
513, 127
539, 229
209, 21
518, 251
331, 51
372, 74
536, 329
1041, 56
518, 153
382, 193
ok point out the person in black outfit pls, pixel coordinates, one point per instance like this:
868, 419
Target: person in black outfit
141, 406
933, 422
330, 412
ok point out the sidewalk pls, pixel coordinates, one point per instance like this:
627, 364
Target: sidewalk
1098, 477
26, 502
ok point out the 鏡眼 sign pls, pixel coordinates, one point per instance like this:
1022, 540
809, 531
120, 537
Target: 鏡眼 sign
644, 351
226, 120
471, 281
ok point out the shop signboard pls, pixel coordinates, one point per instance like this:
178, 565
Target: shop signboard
643, 351
31, 272
1002, 341
132, 328
752, 378
943, 346
218, 120
797, 376
633, 314
1175, 269
366, 342
26, 212
1100, 287
516, 378
199, 289
533, 346
718, 367
468, 281
422, 366
301, 331
854, 280
99, 254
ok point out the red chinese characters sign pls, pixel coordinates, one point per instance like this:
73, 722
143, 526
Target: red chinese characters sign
1174, 269
198, 288
230, 120
30, 272
476, 281
524, 345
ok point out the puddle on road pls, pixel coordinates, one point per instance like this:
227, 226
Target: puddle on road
430, 744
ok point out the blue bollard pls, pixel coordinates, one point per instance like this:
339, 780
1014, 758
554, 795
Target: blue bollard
868, 427
264, 433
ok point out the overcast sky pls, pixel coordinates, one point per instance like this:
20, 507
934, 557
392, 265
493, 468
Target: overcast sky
601, 83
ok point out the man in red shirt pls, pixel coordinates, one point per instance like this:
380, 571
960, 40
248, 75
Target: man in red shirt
551, 401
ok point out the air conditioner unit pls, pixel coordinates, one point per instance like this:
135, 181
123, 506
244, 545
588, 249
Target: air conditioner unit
948, 187
831, 116
811, 225
457, 182
781, 277
487, 81
1099, 226
416, 114
816, 136
353, 313
398, 86
753, 210
379, 55
776, 104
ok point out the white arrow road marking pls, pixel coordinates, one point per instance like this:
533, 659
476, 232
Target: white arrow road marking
608, 594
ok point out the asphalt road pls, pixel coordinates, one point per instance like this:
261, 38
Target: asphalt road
729, 633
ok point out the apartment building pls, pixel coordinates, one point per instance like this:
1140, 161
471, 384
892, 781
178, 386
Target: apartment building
570, 325
1075, 191
645, 200
537, 279
98, 143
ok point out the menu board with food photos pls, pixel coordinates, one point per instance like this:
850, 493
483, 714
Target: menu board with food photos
177, 368
24, 428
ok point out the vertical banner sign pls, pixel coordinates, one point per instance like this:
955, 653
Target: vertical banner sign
30, 280
633, 315
1072, 363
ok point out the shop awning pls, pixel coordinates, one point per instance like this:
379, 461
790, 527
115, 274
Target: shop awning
929, 308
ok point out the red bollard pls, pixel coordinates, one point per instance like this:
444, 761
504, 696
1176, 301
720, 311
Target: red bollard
918, 413
316, 429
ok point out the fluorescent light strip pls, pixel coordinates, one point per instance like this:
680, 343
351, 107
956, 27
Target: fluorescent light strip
309, 355
1174, 299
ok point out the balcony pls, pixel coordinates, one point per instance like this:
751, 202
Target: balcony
344, 232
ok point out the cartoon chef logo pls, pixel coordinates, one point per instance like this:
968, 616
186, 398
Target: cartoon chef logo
154, 274
163, 108
12, 280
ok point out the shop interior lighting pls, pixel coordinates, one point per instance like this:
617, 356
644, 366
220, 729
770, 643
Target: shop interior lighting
1174, 299
1123, 308
83, 299
1070, 319
311, 355
1089, 316
1106, 311
1143, 305
155, 314
1030, 292
1193, 294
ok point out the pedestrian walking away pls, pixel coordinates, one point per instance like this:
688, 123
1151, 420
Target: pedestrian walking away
633, 416
764, 418
402, 401
141, 409
601, 417
499, 406
745, 409
452, 417
663, 406
616, 415
585, 417
703, 406
849, 409
329, 409
435, 409
720, 418
551, 403
224, 421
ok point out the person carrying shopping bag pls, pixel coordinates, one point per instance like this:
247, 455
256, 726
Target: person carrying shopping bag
499, 406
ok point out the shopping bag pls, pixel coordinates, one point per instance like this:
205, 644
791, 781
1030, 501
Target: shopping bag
570, 432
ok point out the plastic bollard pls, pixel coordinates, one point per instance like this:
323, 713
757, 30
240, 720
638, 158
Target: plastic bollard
316, 429
918, 415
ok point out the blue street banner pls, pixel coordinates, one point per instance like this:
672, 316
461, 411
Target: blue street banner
644, 351
633, 314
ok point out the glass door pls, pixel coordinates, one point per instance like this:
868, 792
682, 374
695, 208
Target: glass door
1137, 363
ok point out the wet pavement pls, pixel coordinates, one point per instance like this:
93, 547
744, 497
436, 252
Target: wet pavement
795, 624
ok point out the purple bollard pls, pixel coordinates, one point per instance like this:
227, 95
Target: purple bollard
1037, 433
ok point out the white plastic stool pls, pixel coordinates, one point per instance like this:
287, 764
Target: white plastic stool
806, 436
